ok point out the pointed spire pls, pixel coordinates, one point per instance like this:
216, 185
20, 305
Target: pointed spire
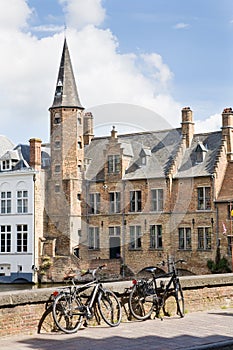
66, 94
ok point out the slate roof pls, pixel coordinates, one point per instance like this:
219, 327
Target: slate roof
21, 155
189, 166
162, 147
66, 94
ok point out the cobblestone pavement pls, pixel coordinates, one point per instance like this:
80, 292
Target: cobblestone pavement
197, 330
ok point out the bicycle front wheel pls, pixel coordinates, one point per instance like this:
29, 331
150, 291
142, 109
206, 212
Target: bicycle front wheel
179, 299
109, 308
141, 304
66, 313
174, 302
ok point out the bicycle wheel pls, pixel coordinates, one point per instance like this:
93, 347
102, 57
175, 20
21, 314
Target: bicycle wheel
179, 299
109, 308
66, 313
141, 304
174, 303
47, 324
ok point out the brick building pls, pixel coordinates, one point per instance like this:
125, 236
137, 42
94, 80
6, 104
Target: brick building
138, 198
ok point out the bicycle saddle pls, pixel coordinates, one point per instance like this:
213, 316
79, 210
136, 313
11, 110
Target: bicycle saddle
151, 269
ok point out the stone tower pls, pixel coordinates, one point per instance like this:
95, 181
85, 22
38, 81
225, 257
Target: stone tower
67, 160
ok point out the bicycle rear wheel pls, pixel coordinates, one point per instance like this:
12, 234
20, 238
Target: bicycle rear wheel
141, 304
66, 313
109, 308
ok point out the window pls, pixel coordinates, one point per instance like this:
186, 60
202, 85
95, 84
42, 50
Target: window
114, 231
135, 201
5, 239
57, 118
22, 238
6, 165
22, 201
94, 207
204, 198
135, 237
115, 202
113, 164
93, 238
185, 238
57, 168
57, 188
204, 238
156, 237
5, 202
229, 243
157, 199
57, 144
79, 145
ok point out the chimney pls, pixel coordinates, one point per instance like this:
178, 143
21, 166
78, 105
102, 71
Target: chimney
187, 125
88, 133
35, 153
113, 133
227, 130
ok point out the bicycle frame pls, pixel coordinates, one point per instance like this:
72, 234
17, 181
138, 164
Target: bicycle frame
148, 296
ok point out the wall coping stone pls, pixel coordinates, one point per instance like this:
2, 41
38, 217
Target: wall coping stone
41, 295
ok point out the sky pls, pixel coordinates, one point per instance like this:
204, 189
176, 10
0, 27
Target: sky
136, 63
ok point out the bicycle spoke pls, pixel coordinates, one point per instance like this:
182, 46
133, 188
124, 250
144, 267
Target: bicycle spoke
140, 303
66, 313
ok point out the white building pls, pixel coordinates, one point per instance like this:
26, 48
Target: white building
20, 183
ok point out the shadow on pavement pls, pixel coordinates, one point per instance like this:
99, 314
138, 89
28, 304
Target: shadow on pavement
120, 343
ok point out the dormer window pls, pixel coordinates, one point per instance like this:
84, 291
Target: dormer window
6, 165
200, 151
59, 88
144, 154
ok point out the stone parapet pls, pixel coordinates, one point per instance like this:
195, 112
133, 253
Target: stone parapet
21, 311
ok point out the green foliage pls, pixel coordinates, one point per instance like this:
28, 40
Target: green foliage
221, 265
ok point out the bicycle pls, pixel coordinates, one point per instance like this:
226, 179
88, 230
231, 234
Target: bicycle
147, 296
72, 304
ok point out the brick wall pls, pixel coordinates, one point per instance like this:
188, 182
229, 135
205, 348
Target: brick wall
21, 312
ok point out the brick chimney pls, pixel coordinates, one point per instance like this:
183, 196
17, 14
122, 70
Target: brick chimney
88, 133
35, 153
227, 130
187, 125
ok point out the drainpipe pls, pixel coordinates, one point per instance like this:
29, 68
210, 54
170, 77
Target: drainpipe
34, 267
123, 230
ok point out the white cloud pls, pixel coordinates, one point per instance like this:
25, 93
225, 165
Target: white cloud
181, 25
82, 12
29, 68
13, 15
212, 123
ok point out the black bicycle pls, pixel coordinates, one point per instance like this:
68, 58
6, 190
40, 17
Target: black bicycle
74, 303
153, 295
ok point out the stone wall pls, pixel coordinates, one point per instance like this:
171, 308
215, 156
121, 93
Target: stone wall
21, 312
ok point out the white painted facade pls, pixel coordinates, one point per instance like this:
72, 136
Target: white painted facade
17, 231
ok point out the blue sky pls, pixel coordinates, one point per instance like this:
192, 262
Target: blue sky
158, 54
